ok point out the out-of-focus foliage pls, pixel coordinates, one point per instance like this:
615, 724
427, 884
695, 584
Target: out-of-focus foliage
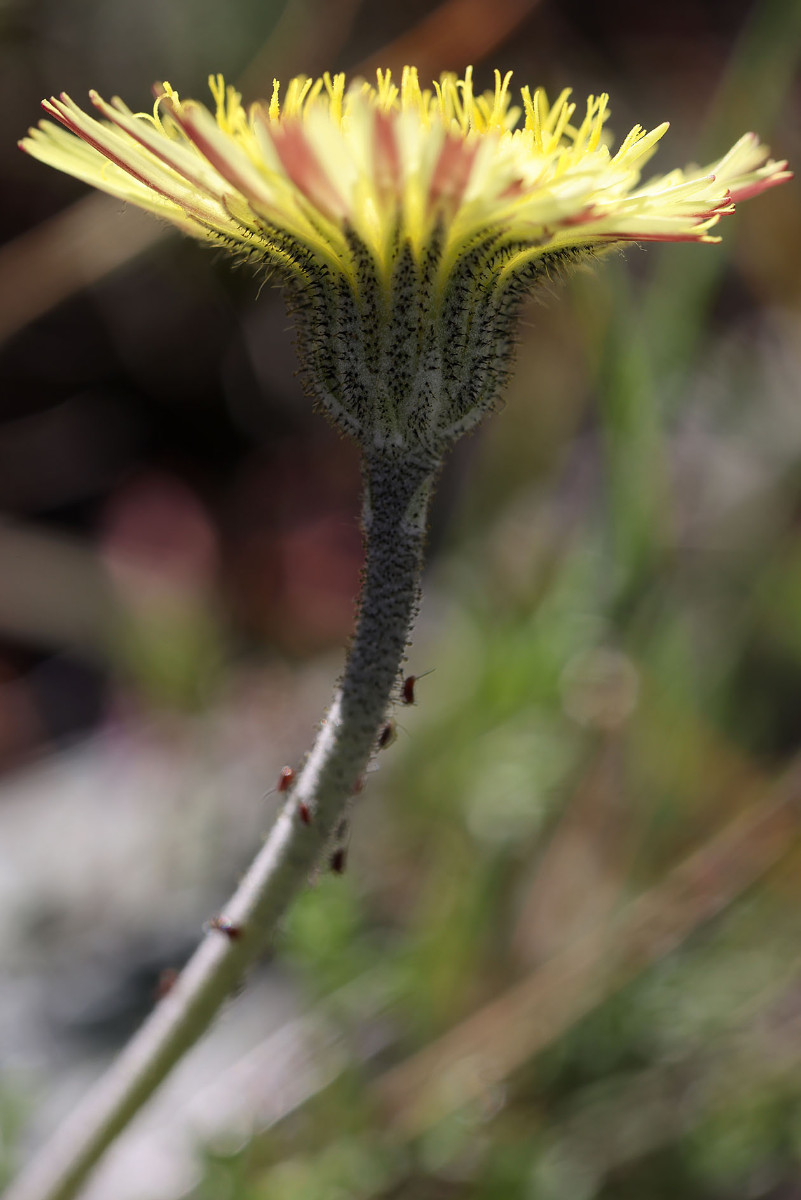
611, 616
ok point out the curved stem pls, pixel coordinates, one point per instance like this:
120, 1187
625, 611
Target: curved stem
396, 501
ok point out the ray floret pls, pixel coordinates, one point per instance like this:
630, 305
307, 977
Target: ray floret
407, 222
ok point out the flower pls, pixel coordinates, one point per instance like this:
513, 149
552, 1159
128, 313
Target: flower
407, 223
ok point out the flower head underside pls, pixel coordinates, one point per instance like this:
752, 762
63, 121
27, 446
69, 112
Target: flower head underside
407, 222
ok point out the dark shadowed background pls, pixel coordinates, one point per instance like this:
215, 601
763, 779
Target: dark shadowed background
564, 962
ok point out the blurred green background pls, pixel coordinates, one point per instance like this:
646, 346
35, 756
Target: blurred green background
564, 961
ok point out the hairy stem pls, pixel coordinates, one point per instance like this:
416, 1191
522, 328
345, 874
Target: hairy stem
396, 501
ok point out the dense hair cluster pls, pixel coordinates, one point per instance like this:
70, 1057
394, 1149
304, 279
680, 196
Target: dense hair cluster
412, 365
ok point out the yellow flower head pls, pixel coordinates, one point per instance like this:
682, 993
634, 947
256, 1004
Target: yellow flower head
407, 222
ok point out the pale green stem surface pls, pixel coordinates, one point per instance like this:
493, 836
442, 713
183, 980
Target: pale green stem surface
396, 502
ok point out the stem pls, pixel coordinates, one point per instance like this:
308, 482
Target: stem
396, 501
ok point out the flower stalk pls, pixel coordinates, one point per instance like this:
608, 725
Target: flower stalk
395, 511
